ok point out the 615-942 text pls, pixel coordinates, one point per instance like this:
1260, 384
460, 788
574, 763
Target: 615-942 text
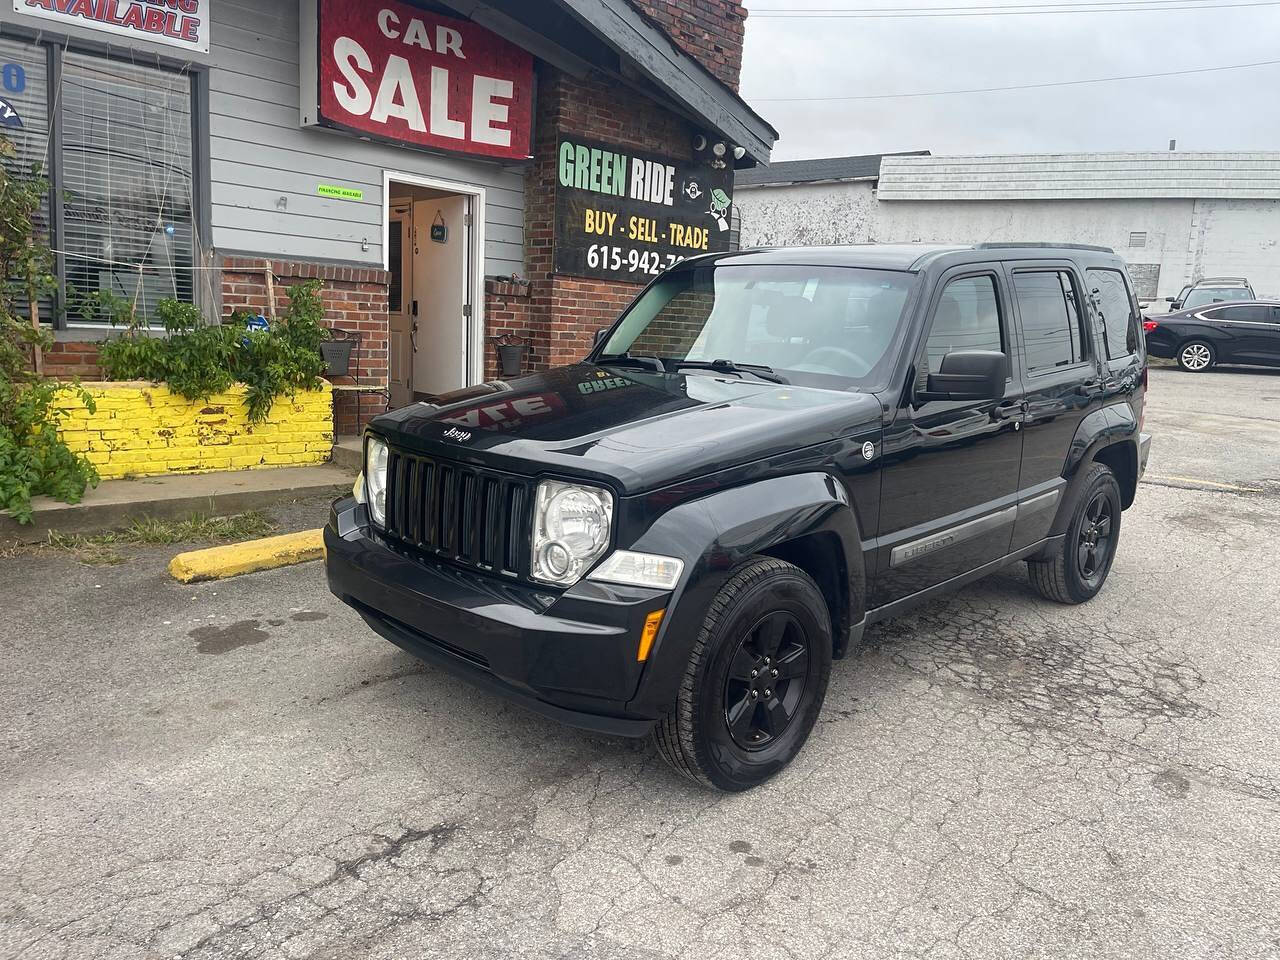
606, 257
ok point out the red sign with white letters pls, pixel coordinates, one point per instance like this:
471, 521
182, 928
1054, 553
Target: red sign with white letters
395, 71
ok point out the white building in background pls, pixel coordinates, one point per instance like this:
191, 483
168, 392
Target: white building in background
1175, 217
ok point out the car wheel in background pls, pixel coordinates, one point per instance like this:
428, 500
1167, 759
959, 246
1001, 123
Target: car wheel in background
1196, 356
756, 679
1078, 569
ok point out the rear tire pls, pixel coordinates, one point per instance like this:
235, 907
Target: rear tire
1196, 356
1079, 567
756, 679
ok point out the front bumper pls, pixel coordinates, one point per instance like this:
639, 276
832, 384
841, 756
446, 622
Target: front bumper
568, 655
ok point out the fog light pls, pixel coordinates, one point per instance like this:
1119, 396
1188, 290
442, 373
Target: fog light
639, 570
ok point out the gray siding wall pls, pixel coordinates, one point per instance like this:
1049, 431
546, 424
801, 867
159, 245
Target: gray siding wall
265, 167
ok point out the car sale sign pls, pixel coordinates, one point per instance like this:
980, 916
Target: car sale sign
416, 77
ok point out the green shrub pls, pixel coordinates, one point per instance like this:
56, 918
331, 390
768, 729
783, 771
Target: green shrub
33, 458
197, 359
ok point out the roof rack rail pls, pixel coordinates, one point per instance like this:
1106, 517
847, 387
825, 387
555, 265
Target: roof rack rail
1043, 246
1223, 280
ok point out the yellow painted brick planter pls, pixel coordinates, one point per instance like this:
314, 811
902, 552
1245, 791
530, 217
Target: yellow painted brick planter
143, 430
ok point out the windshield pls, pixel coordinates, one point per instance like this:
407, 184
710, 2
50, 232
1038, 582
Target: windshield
817, 326
1202, 295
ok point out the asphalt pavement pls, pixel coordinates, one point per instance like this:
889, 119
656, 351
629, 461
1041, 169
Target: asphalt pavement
242, 769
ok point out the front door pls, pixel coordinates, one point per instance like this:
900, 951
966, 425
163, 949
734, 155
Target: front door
950, 477
400, 305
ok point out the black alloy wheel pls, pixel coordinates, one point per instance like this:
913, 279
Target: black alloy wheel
1094, 543
766, 680
1075, 570
755, 681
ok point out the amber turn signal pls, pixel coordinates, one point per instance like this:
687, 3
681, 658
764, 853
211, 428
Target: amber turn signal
651, 624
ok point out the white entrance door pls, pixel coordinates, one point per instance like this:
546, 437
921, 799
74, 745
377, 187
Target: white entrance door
400, 334
441, 289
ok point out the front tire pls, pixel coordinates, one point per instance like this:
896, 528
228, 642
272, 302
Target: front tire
756, 679
1196, 356
1078, 569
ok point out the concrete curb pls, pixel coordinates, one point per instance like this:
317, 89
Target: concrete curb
218, 563
116, 502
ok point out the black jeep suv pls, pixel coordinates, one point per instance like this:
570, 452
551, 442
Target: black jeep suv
767, 452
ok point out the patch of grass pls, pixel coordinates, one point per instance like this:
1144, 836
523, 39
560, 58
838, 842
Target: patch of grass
101, 549
240, 526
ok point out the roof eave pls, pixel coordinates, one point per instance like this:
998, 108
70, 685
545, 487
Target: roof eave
678, 75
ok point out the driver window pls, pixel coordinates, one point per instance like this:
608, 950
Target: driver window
967, 318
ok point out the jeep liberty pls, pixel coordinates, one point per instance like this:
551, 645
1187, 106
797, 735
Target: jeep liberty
767, 452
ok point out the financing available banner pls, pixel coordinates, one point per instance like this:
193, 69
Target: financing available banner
176, 23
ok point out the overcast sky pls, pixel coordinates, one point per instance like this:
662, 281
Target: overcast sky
1229, 110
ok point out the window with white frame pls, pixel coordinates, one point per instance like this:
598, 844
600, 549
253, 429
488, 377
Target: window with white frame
116, 140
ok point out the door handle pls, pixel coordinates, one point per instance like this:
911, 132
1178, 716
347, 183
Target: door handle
1090, 388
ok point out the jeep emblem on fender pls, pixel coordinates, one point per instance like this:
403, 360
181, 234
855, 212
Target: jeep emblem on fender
868, 450
453, 433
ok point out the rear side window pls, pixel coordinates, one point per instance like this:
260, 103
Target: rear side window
1111, 299
1049, 308
1254, 313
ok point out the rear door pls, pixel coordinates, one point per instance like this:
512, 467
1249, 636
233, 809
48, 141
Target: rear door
950, 468
1250, 331
1062, 374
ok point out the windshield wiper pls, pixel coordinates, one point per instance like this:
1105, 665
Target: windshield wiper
629, 360
727, 366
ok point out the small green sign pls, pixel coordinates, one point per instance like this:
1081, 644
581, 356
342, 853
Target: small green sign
340, 193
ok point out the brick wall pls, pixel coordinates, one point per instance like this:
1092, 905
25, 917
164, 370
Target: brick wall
564, 312
355, 299
710, 31
142, 429
68, 360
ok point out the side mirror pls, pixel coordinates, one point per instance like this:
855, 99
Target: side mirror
968, 375
598, 337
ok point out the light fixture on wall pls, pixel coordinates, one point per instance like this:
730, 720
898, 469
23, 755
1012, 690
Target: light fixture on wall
739, 152
364, 244
699, 143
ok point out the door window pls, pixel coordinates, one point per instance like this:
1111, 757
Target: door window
967, 318
1275, 315
1047, 304
1115, 307
395, 265
1253, 313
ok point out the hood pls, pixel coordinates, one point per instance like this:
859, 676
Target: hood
632, 429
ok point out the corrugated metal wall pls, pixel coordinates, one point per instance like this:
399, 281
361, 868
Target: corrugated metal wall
265, 167
1177, 240
1084, 176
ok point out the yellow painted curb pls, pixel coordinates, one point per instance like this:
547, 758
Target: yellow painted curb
216, 563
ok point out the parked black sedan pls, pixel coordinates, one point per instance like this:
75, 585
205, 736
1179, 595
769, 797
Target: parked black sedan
1243, 331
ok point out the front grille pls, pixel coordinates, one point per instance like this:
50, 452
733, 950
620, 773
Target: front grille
467, 515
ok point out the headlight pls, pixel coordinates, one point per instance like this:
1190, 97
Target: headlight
375, 479
570, 530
